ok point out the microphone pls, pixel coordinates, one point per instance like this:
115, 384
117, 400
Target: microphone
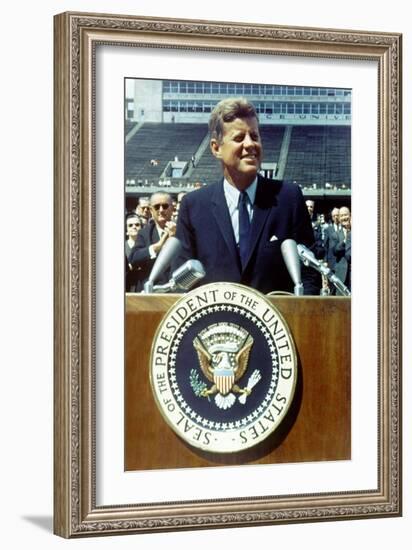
308, 258
183, 278
290, 255
170, 249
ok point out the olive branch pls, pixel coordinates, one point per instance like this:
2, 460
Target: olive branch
197, 385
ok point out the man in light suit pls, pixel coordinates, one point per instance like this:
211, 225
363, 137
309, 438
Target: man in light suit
235, 227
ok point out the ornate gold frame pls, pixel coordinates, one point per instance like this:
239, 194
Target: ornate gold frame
76, 36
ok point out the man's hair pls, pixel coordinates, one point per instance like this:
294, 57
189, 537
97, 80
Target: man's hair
228, 110
161, 194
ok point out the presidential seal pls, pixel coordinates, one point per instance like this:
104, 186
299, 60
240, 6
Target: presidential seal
223, 368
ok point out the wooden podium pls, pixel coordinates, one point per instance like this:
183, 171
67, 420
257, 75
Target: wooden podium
318, 424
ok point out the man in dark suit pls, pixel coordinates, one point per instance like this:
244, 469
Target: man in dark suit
331, 234
236, 227
153, 236
318, 249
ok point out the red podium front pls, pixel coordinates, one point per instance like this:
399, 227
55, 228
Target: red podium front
318, 425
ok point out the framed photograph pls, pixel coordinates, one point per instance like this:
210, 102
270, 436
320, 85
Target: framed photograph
133, 96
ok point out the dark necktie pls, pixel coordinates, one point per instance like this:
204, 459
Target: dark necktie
244, 227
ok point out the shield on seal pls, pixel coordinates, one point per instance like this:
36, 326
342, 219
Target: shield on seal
224, 378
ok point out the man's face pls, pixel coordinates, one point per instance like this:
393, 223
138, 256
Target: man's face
143, 208
335, 215
311, 207
240, 150
161, 209
344, 217
132, 226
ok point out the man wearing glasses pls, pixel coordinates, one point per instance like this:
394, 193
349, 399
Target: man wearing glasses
143, 210
153, 236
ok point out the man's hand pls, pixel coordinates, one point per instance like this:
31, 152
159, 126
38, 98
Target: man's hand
157, 247
169, 231
170, 227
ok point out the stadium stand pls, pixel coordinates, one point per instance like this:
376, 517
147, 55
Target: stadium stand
319, 155
207, 169
128, 126
272, 137
162, 143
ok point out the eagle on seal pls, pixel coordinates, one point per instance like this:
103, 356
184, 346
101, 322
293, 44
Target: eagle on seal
224, 367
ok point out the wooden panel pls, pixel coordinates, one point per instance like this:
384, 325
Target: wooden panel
318, 424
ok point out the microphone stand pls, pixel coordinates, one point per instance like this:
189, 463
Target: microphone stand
298, 289
324, 271
182, 279
169, 250
291, 259
148, 287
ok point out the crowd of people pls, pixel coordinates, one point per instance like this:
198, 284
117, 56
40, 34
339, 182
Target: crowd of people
333, 240
235, 227
147, 229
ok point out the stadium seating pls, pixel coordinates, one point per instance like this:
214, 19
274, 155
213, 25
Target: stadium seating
128, 126
272, 137
319, 155
162, 143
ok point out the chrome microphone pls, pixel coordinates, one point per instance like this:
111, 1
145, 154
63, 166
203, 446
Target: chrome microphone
170, 250
184, 278
291, 259
308, 259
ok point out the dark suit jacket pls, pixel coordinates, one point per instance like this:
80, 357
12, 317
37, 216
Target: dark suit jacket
140, 255
205, 231
343, 255
330, 237
133, 276
318, 248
